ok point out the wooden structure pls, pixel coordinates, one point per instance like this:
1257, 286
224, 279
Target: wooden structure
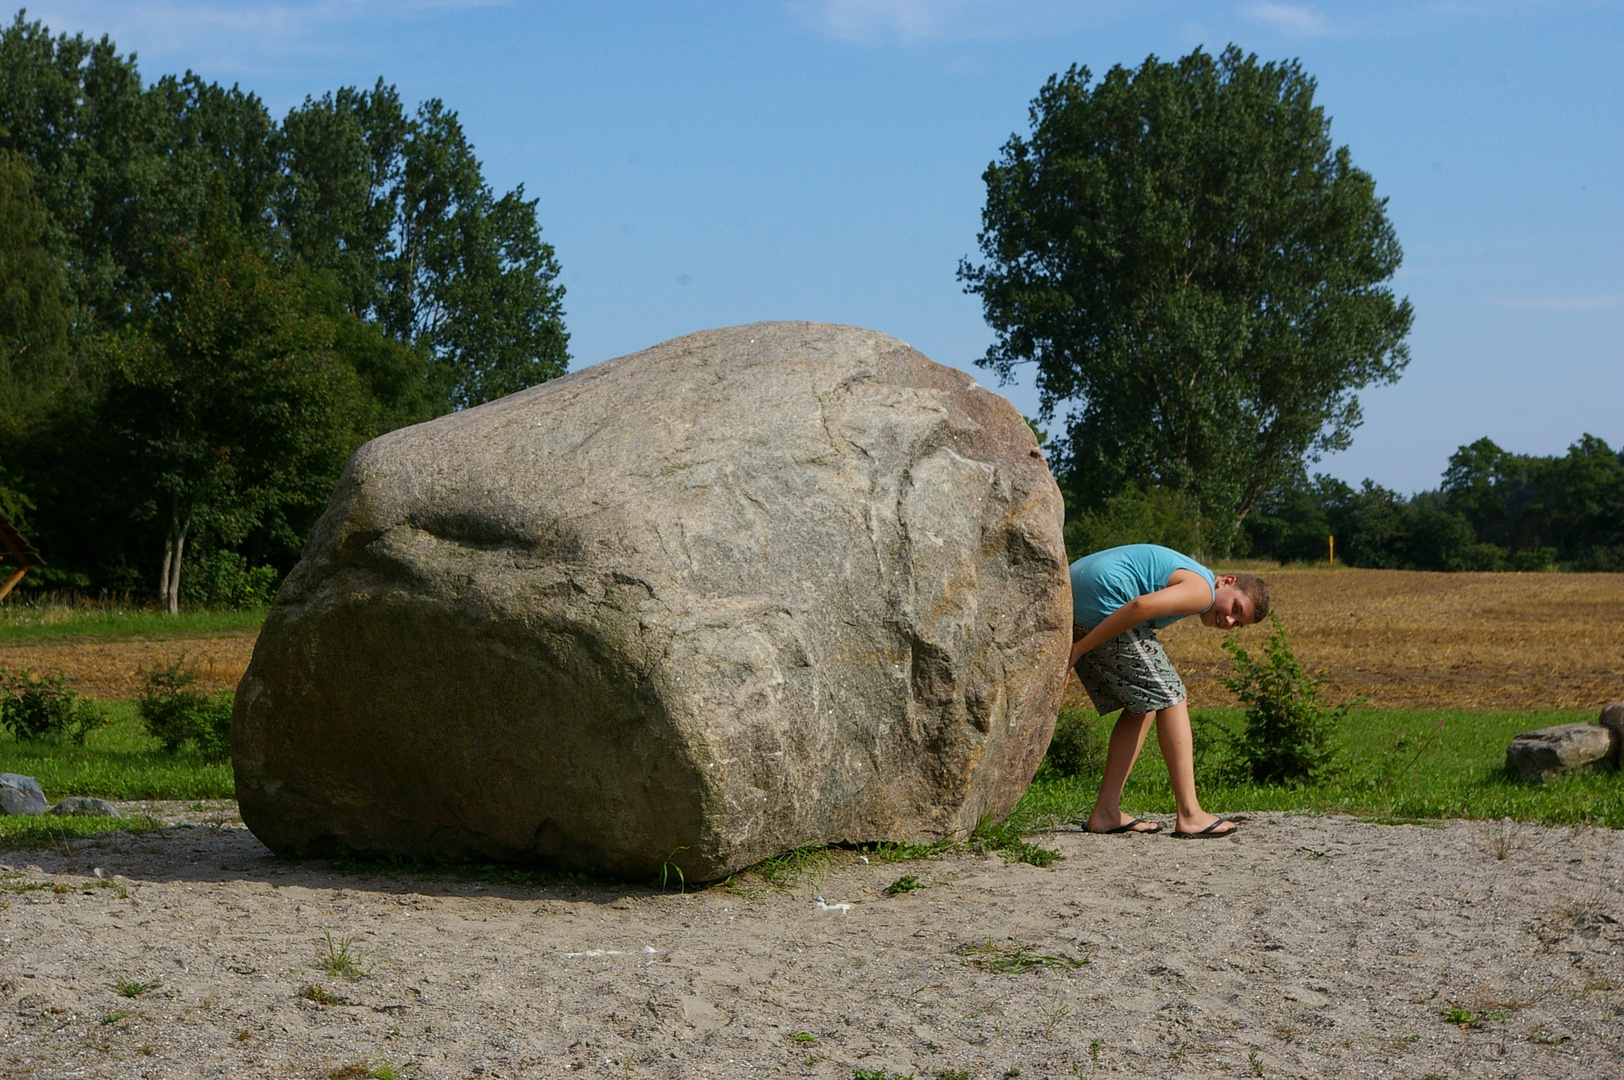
16, 555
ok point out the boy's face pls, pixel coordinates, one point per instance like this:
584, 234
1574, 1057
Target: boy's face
1231, 608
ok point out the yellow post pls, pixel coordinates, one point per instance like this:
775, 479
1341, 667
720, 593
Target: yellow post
1331, 540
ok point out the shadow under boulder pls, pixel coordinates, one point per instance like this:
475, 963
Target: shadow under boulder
750, 589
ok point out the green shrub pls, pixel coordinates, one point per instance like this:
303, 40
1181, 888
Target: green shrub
1288, 734
1075, 749
43, 708
1140, 516
223, 580
176, 714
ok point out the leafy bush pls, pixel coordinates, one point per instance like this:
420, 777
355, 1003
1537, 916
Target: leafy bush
43, 708
176, 714
1139, 516
1288, 734
1075, 749
223, 580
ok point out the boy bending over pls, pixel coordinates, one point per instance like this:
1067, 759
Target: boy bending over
1120, 597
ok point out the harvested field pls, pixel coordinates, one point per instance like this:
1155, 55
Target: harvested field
1413, 640
1399, 638
1303, 947
103, 668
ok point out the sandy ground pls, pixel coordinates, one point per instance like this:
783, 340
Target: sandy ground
1304, 947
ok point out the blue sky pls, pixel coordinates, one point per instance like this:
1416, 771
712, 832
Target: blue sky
706, 164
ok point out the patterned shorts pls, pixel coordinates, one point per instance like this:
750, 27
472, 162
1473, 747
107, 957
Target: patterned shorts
1131, 671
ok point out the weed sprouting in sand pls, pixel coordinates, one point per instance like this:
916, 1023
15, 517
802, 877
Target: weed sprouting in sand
1055, 1013
1256, 1062
1094, 1048
1503, 837
668, 867
953, 1074
805, 1038
907, 883
384, 1070
1013, 958
320, 996
131, 989
339, 959
879, 1074
1007, 841
115, 1017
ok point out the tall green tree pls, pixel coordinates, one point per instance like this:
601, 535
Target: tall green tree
35, 312
398, 208
230, 402
1196, 273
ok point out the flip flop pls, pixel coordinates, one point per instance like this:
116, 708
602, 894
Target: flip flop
1129, 827
1207, 833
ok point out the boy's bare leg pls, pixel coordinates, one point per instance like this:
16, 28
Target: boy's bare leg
1127, 738
1173, 736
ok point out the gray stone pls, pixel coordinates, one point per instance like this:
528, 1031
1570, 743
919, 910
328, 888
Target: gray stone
749, 589
21, 795
81, 806
1549, 752
1612, 718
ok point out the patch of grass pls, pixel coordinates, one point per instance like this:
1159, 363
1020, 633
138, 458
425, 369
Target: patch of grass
1006, 838
29, 621
1011, 957
953, 1074
339, 959
1398, 766
890, 853
131, 989
907, 883
119, 760
383, 1070
879, 1074
783, 871
50, 831
115, 1017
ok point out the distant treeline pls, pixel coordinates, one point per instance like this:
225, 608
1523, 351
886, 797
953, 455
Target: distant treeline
1494, 511
205, 310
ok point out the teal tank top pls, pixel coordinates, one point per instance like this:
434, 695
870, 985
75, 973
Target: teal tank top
1105, 580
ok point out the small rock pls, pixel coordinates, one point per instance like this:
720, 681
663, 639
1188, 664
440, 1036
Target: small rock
1612, 718
21, 795
79, 806
1549, 752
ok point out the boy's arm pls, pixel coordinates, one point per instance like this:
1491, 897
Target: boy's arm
1187, 593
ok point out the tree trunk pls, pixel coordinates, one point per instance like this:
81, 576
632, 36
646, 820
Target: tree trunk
174, 553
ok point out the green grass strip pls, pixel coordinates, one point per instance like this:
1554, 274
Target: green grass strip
118, 761
61, 621
1392, 765
49, 831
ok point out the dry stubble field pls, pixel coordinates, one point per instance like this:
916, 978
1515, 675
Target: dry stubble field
1398, 638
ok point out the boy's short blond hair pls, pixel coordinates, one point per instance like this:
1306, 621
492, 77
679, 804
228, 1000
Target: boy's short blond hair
1257, 591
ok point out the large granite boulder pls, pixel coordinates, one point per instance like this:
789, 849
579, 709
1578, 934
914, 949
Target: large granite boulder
1549, 752
748, 589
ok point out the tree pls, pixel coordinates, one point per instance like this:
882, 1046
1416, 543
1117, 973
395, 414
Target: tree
230, 403
35, 311
1192, 266
399, 210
